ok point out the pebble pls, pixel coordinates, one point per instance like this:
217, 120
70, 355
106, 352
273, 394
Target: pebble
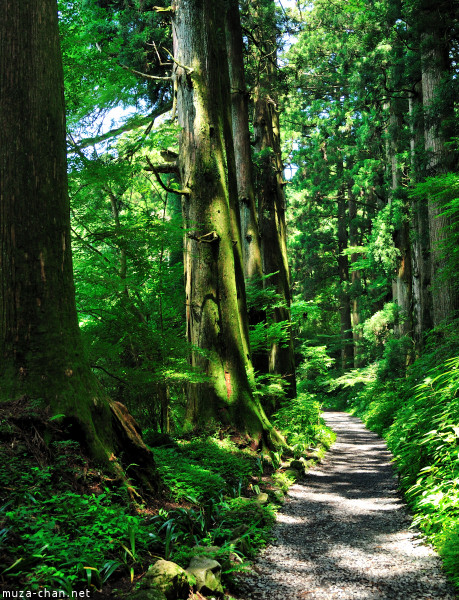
344, 532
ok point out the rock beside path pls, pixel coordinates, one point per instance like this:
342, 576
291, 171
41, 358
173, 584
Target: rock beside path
208, 574
344, 532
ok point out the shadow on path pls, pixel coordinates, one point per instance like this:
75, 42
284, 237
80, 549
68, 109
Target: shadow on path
343, 532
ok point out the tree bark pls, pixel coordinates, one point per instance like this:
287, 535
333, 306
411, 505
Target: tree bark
41, 355
250, 235
216, 325
402, 284
271, 206
356, 278
347, 346
251, 251
438, 129
420, 240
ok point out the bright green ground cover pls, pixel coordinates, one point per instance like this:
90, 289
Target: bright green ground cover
66, 526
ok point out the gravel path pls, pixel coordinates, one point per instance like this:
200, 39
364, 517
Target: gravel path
343, 533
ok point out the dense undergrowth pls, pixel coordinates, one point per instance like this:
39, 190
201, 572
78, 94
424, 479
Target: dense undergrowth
418, 414
64, 525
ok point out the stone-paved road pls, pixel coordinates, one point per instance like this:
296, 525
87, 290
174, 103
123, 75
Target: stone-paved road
344, 532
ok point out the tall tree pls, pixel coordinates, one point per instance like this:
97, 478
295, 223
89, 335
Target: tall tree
216, 325
245, 174
270, 187
347, 350
42, 359
251, 251
439, 127
355, 273
419, 234
402, 283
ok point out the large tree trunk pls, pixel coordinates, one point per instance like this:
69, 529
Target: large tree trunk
251, 251
271, 205
347, 346
273, 232
420, 241
41, 355
438, 129
216, 325
401, 285
250, 235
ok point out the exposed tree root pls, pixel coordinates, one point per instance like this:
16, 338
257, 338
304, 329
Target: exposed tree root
125, 455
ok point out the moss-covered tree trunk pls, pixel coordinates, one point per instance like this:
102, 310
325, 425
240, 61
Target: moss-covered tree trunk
216, 321
420, 241
402, 283
250, 235
439, 128
271, 196
41, 355
251, 250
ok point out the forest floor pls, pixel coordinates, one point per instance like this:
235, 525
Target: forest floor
344, 532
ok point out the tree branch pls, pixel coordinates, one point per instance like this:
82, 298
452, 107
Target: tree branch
165, 168
129, 126
154, 77
110, 374
208, 238
164, 9
189, 70
184, 192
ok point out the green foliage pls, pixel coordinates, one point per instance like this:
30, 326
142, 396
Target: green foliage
237, 525
97, 38
425, 442
177, 528
262, 299
222, 457
381, 255
300, 421
314, 371
128, 271
254, 516
270, 388
378, 328
379, 342
429, 422
377, 403
61, 539
421, 427
128, 266
394, 358
57, 538
443, 192
447, 542
203, 468
283, 480
185, 479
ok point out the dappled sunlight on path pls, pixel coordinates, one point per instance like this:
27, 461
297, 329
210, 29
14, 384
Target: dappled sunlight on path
344, 532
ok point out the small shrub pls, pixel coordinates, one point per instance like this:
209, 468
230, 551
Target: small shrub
313, 372
394, 359
186, 479
300, 421
222, 457
377, 404
448, 546
283, 480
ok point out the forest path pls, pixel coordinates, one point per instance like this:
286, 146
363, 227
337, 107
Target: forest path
343, 532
